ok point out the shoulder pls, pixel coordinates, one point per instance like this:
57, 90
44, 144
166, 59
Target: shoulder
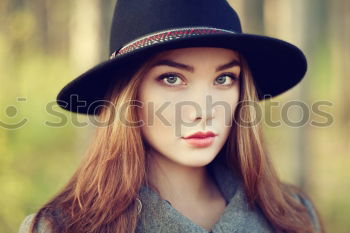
43, 226
306, 201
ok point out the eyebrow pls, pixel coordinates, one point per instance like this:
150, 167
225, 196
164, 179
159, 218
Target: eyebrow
171, 63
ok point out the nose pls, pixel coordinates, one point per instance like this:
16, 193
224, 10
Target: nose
202, 113
202, 110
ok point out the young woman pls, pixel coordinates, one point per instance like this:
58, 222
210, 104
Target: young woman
180, 149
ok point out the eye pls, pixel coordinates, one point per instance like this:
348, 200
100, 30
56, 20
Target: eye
170, 79
226, 79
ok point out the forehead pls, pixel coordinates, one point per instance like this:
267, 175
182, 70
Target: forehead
199, 54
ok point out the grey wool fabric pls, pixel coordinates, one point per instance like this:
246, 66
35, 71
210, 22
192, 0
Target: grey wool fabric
157, 214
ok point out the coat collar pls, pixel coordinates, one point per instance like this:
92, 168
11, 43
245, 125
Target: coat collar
157, 214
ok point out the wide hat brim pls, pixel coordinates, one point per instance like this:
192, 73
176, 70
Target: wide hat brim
276, 66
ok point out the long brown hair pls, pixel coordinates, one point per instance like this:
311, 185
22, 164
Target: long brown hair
101, 195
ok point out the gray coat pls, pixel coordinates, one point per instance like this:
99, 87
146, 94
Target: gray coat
157, 214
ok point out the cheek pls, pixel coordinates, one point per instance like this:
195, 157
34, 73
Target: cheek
157, 111
225, 105
158, 118
159, 130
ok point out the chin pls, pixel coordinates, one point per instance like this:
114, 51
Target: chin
198, 162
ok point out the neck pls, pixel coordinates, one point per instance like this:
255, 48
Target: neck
180, 183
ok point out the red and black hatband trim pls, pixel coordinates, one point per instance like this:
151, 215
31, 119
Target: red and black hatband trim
167, 35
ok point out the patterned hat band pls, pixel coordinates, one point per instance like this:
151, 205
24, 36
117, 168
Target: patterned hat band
162, 36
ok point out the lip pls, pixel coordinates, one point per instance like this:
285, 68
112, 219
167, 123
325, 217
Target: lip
201, 139
201, 135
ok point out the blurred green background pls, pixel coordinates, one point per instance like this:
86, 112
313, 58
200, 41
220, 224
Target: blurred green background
45, 44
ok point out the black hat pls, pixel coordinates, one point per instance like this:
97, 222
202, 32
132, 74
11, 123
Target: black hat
141, 28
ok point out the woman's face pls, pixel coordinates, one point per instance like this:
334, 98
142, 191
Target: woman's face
186, 91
